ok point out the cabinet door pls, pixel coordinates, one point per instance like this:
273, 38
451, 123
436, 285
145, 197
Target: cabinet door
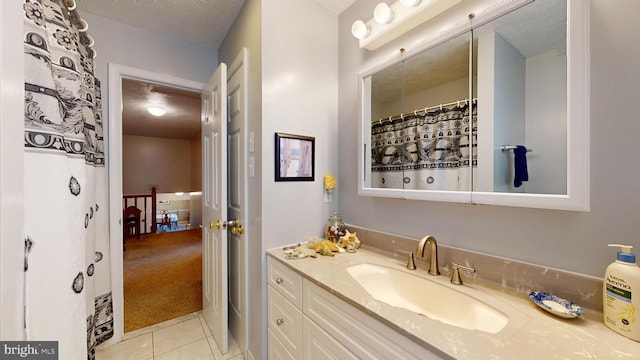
317, 344
286, 281
276, 350
365, 336
285, 321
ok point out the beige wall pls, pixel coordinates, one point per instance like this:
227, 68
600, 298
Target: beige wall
196, 164
147, 161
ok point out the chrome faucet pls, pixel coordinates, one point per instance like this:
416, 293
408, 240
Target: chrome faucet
433, 260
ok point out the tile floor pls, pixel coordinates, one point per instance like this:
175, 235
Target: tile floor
186, 337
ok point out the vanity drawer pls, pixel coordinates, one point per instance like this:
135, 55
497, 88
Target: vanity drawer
319, 345
276, 350
286, 281
285, 321
363, 335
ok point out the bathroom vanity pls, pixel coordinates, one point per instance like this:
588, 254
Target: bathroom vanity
306, 321
318, 308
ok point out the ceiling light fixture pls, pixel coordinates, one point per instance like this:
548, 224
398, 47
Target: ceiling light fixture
156, 110
179, 193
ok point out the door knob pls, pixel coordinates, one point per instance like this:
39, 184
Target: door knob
237, 230
216, 225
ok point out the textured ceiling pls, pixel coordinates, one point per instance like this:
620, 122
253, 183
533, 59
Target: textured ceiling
182, 120
202, 22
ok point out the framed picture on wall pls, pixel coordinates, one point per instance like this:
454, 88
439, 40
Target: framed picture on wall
294, 157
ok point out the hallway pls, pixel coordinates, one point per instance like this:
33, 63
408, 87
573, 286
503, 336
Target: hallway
183, 338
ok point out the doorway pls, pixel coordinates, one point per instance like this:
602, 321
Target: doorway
115, 142
162, 267
117, 75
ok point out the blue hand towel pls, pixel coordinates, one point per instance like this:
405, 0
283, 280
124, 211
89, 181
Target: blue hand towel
520, 161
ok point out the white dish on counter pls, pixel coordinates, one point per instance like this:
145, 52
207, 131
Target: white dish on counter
556, 305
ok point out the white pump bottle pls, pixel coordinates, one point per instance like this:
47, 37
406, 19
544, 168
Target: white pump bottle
621, 294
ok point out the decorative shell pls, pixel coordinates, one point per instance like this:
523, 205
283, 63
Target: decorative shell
349, 241
324, 247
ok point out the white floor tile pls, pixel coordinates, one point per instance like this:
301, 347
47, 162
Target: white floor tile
198, 350
162, 325
234, 350
207, 331
137, 348
186, 337
177, 335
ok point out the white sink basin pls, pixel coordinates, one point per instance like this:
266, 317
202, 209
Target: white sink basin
429, 298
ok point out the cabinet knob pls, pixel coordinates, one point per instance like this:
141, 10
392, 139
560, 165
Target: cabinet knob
279, 322
279, 280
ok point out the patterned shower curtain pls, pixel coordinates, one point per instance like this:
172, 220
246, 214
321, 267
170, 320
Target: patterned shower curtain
67, 264
427, 151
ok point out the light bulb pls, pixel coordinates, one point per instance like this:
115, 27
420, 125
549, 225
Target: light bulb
359, 29
382, 13
156, 111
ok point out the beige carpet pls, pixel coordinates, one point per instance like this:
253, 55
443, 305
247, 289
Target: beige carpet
162, 277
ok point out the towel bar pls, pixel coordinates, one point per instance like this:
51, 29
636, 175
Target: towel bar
511, 147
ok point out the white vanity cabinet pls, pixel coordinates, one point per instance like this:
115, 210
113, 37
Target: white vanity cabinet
363, 335
284, 312
308, 322
291, 334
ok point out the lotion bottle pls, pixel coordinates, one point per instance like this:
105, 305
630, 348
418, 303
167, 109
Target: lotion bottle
621, 294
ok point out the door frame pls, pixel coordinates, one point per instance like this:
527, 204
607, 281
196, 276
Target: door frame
114, 158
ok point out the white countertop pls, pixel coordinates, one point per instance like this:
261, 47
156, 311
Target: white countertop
531, 333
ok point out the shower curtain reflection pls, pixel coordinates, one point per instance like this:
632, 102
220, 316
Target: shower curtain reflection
428, 151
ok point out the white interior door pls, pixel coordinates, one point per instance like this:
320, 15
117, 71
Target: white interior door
237, 207
214, 207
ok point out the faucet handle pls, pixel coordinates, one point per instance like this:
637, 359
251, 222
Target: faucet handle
411, 263
455, 273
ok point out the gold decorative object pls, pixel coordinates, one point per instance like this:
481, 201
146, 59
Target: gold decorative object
324, 247
329, 182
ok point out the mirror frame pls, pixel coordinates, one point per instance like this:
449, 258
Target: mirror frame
578, 121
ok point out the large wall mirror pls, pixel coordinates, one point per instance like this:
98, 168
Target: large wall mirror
495, 113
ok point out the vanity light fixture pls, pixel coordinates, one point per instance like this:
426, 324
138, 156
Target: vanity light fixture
391, 21
156, 110
382, 13
360, 30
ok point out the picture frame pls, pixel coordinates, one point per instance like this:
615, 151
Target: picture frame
294, 157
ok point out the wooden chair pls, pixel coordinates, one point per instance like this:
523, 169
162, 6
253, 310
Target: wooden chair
131, 221
166, 221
